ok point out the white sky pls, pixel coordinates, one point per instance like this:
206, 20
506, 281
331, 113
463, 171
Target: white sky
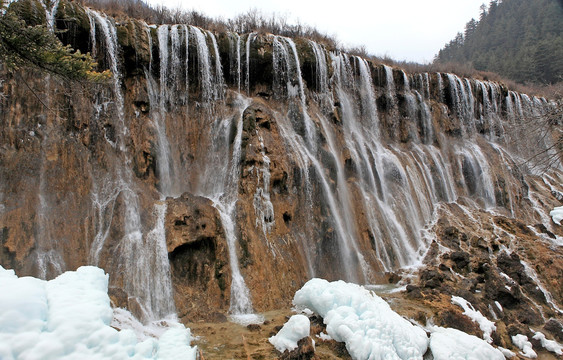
413, 30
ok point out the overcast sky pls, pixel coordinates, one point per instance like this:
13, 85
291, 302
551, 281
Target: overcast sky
413, 30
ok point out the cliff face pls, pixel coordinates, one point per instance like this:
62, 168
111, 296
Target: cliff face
216, 173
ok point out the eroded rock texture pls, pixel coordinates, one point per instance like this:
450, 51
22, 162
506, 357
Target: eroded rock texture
214, 162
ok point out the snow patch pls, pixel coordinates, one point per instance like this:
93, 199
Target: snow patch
69, 318
522, 343
364, 321
452, 344
324, 337
507, 353
486, 325
557, 215
549, 345
295, 329
247, 319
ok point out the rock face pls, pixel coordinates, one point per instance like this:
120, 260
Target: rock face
198, 258
218, 164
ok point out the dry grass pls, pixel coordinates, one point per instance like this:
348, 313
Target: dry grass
256, 21
252, 21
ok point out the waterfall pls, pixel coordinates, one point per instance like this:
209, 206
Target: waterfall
170, 71
440, 87
263, 207
205, 77
477, 174
144, 261
249, 39
218, 90
219, 183
148, 271
110, 35
367, 96
285, 54
381, 170
390, 82
365, 169
234, 58
50, 11
321, 79
92, 22
149, 42
49, 260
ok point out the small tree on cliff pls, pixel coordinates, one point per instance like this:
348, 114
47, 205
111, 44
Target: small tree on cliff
23, 45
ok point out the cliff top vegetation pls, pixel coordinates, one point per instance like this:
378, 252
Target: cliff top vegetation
521, 40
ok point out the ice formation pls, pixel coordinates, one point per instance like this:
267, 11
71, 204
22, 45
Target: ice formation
521, 341
295, 329
557, 215
69, 318
485, 324
452, 344
549, 345
361, 319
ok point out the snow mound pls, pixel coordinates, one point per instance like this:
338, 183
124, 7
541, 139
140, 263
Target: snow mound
557, 215
507, 353
69, 318
452, 344
549, 345
364, 321
485, 324
295, 329
521, 341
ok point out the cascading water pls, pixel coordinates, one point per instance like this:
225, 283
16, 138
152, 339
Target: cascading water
321, 79
50, 7
222, 190
219, 88
249, 40
50, 262
262, 205
285, 53
144, 258
211, 82
235, 63
170, 85
205, 77
366, 196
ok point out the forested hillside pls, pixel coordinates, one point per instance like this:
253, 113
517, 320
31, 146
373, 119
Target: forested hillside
519, 39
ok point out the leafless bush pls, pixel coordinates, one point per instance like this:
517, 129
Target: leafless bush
252, 20
256, 21
544, 134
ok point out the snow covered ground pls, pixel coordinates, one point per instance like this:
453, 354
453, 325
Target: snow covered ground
69, 318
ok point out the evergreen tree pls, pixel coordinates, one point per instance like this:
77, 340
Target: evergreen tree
519, 39
34, 45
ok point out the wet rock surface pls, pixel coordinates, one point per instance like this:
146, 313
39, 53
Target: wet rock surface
345, 200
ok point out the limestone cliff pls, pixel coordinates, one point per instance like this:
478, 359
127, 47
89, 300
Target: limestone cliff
217, 172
